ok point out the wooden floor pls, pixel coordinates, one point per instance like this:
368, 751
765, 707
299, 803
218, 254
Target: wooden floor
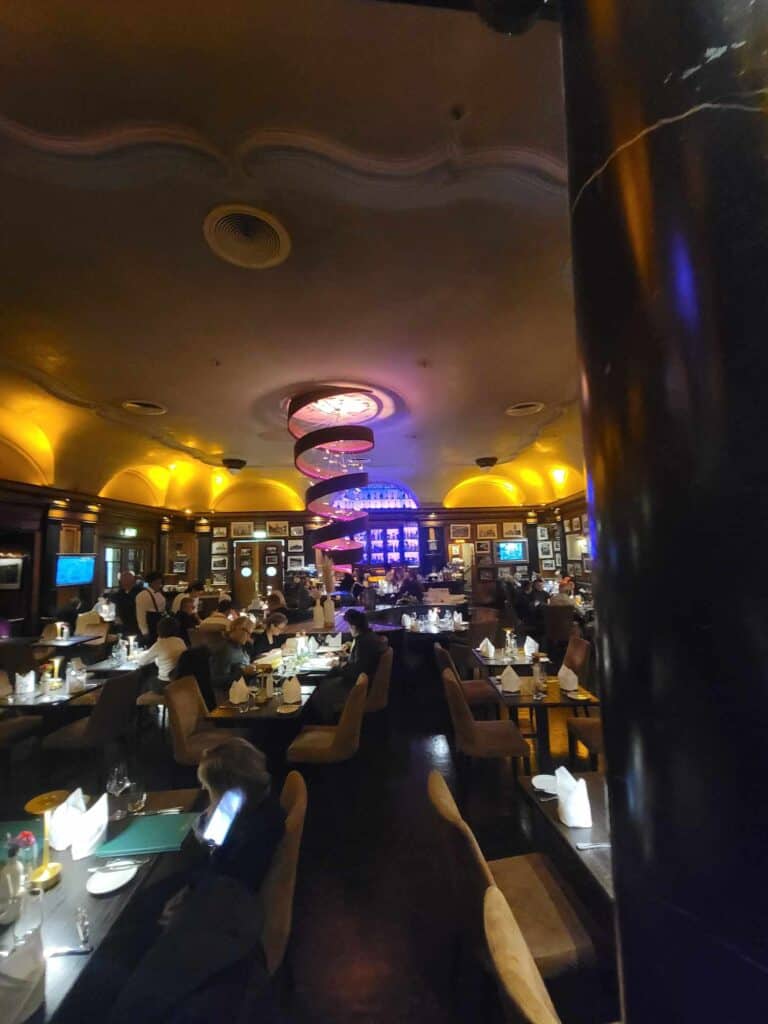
374, 936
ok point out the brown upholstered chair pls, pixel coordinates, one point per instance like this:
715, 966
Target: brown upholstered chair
110, 720
279, 885
523, 992
14, 727
478, 692
482, 739
588, 731
327, 744
378, 693
191, 734
558, 623
554, 926
577, 657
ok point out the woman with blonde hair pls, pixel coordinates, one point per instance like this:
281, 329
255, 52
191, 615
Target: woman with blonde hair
231, 659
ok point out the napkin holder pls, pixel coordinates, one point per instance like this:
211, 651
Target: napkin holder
510, 681
572, 800
292, 691
239, 692
567, 679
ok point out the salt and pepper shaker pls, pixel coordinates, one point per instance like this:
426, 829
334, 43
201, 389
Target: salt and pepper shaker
83, 925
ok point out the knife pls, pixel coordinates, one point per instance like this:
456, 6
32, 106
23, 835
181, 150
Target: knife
593, 846
119, 865
165, 810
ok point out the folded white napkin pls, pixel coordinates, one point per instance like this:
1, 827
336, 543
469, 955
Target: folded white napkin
25, 683
289, 647
432, 615
65, 820
530, 646
333, 642
22, 981
405, 621
312, 645
238, 692
572, 800
458, 619
486, 648
510, 680
91, 829
318, 615
292, 691
567, 678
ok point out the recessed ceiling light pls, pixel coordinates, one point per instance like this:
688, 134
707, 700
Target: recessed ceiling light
246, 236
142, 408
524, 409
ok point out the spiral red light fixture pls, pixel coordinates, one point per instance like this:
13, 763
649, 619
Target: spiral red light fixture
329, 426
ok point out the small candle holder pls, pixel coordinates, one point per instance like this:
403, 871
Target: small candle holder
49, 872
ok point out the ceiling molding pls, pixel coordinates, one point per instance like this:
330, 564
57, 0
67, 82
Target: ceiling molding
440, 176
124, 155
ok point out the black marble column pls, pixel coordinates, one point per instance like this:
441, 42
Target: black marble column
668, 151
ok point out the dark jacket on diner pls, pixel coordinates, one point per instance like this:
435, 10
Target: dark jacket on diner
261, 644
186, 622
125, 609
363, 657
227, 663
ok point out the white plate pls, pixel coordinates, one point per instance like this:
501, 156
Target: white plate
102, 882
545, 783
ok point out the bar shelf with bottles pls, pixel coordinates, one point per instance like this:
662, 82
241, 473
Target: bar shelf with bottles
384, 546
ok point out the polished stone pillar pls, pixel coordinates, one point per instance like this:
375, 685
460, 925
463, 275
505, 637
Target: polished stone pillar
668, 154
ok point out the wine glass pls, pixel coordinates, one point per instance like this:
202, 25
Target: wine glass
117, 783
137, 797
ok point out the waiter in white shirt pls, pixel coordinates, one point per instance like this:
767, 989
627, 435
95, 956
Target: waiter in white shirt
194, 590
150, 606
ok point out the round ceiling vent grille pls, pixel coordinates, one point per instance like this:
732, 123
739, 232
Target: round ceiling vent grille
142, 408
524, 408
246, 236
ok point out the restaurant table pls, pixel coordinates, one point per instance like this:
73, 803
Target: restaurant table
39, 701
227, 714
341, 626
555, 698
68, 644
107, 667
61, 902
560, 840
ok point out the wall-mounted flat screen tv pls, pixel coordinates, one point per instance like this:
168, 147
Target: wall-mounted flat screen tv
74, 570
511, 550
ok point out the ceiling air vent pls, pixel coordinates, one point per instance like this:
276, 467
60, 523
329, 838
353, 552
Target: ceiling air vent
246, 236
524, 409
141, 408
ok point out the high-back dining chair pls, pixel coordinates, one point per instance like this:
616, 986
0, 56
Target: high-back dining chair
110, 720
327, 744
191, 734
378, 693
478, 692
558, 622
14, 727
523, 992
279, 886
196, 661
481, 739
554, 925
577, 657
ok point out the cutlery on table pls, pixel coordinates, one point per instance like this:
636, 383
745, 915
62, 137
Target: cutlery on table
593, 846
81, 950
165, 810
119, 865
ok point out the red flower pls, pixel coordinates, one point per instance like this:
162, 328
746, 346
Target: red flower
26, 839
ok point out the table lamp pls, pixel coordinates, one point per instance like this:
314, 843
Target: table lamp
49, 872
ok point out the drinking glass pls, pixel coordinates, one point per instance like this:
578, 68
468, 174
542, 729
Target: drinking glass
30, 920
117, 783
136, 797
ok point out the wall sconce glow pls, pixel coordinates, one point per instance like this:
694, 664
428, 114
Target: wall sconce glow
483, 491
246, 571
129, 531
271, 570
260, 534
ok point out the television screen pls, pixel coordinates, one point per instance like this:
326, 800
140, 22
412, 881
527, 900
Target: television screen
511, 550
74, 570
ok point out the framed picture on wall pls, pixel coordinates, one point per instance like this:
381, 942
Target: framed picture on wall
219, 562
460, 531
556, 545
220, 531
587, 564
295, 562
487, 531
576, 524
545, 549
513, 529
485, 575
542, 533
297, 531
484, 560
277, 528
295, 547
219, 581
271, 560
574, 568
242, 530
548, 565
219, 547
179, 566
10, 573
558, 562
483, 547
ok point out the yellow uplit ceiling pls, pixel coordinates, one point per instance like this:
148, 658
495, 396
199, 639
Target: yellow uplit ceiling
423, 189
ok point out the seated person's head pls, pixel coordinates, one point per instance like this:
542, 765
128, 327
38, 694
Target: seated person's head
225, 606
187, 605
276, 622
564, 587
196, 588
235, 764
167, 627
274, 601
358, 622
239, 630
